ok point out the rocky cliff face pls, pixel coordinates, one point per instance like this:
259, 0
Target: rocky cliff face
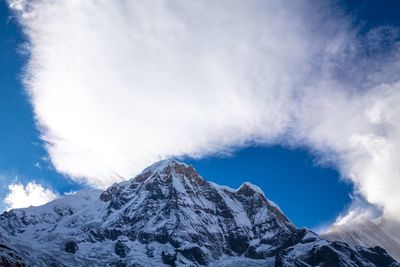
169, 216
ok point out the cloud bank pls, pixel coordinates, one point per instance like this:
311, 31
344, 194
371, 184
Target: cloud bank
33, 194
116, 85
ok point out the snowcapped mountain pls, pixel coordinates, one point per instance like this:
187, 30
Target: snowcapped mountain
169, 216
368, 232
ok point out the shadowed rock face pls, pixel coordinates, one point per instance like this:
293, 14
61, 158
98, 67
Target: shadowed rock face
71, 247
169, 215
9, 257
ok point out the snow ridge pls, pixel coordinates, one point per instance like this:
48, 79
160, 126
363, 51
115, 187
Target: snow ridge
366, 232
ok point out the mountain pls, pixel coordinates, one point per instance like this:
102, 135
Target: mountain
170, 216
368, 232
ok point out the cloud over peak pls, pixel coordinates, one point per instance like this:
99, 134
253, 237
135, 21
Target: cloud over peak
116, 85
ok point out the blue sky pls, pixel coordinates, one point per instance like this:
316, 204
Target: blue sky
22, 151
310, 194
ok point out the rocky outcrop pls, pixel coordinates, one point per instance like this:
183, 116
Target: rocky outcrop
121, 249
71, 247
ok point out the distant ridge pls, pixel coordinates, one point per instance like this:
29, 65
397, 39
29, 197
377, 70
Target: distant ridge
368, 233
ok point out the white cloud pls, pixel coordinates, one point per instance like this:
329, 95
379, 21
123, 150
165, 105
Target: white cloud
70, 193
33, 194
118, 84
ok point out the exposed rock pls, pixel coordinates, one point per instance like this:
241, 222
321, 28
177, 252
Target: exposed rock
71, 247
195, 254
169, 258
121, 249
120, 263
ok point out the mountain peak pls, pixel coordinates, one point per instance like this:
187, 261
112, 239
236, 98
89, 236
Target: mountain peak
169, 215
162, 164
168, 170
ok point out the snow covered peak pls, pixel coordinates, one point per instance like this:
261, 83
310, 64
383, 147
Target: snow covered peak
162, 164
166, 175
167, 169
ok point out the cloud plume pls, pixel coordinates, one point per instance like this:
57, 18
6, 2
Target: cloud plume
118, 84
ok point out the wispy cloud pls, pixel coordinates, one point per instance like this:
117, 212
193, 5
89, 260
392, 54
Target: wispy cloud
118, 84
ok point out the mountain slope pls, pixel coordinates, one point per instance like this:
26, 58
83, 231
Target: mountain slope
9, 256
366, 232
169, 215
